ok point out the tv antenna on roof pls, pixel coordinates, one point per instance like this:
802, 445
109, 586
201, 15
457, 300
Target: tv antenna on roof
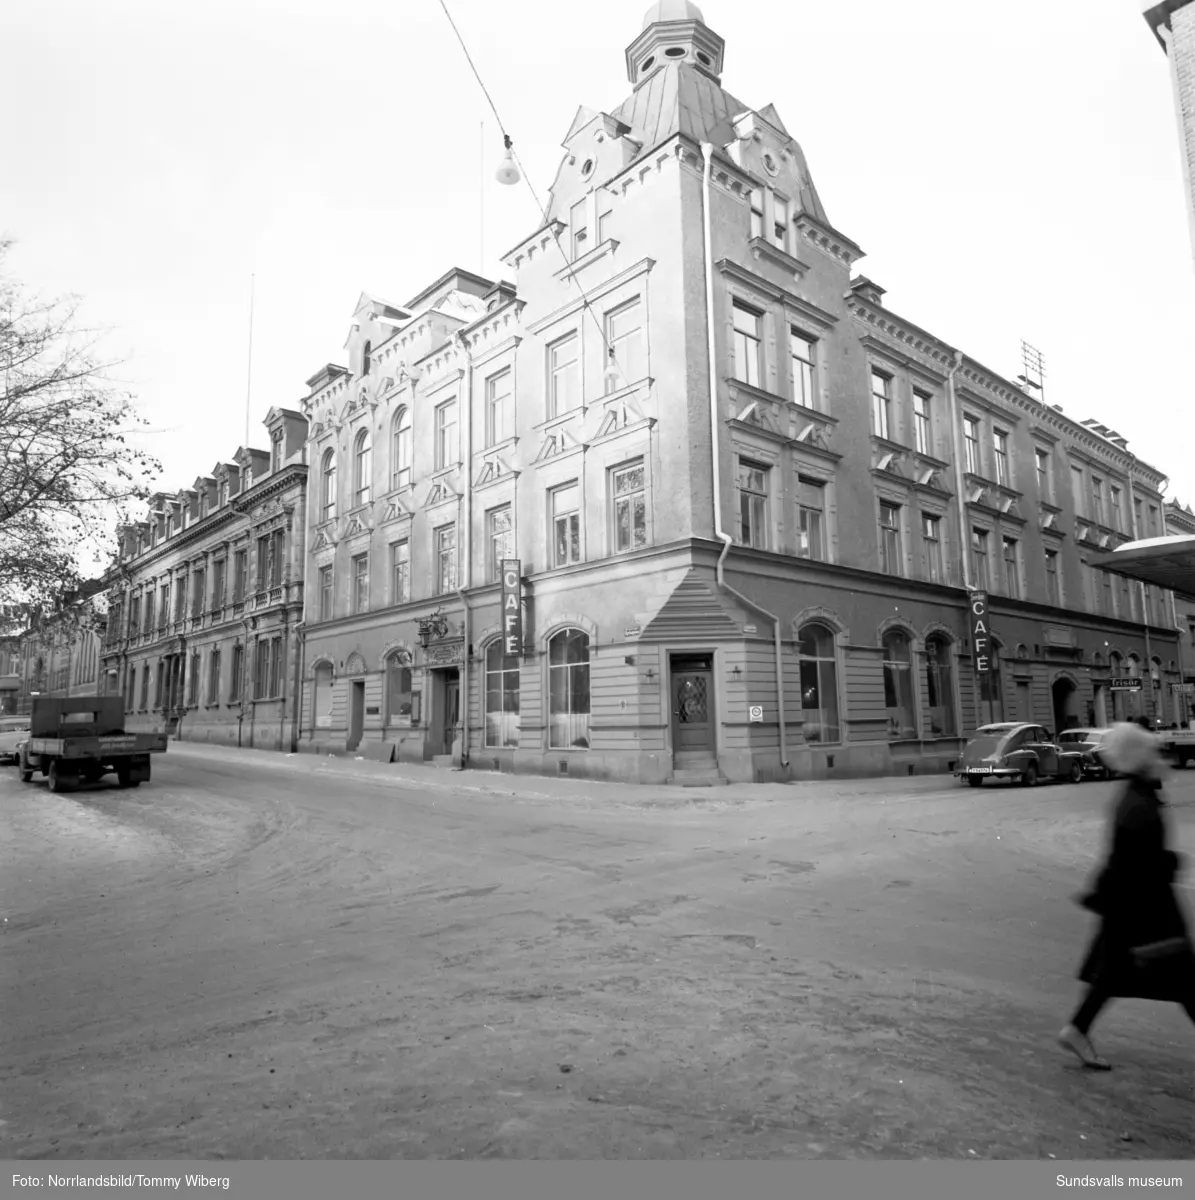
1035, 370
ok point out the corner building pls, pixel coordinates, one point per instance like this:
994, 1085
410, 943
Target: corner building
747, 498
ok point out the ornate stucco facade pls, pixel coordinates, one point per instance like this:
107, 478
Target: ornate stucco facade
206, 597
748, 499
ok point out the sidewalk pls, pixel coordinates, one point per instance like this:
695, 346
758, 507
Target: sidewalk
552, 788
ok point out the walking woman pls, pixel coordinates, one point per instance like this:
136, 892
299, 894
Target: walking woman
1142, 948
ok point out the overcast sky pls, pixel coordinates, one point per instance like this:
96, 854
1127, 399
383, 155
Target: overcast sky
1011, 170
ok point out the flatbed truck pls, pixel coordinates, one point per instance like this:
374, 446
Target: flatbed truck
82, 738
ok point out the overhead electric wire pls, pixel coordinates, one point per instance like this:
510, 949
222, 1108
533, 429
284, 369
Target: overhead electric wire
585, 304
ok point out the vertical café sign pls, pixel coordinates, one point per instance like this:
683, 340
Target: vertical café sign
512, 606
981, 639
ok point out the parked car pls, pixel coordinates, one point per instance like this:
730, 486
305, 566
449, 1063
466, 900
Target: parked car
13, 731
1087, 742
1018, 752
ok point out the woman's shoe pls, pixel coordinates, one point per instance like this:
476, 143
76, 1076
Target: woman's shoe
1080, 1045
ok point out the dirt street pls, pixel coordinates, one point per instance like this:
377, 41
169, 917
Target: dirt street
257, 956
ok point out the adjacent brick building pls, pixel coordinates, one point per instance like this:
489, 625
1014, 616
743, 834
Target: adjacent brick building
747, 498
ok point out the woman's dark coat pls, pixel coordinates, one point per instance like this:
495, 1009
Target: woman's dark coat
1135, 900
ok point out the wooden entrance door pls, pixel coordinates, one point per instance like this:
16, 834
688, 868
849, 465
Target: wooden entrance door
452, 708
356, 712
691, 691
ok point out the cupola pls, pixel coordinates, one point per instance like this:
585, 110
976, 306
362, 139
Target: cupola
674, 32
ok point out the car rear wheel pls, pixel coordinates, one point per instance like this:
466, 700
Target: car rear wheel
1029, 776
975, 781
1075, 774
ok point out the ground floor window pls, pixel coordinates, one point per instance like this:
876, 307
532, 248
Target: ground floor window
398, 688
501, 697
819, 683
898, 685
568, 690
939, 687
323, 695
234, 678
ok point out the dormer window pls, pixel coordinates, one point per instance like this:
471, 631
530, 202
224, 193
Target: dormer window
222, 493
203, 504
276, 452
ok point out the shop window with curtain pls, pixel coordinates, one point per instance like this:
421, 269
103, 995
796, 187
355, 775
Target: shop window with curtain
568, 690
501, 697
818, 659
398, 688
898, 685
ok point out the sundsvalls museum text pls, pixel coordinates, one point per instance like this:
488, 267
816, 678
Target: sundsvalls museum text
1117, 1181
157, 1181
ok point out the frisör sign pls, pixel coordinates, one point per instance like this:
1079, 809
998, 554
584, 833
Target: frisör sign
512, 605
981, 634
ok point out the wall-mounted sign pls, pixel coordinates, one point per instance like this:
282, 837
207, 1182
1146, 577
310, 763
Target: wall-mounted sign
748, 628
1183, 689
632, 631
372, 710
443, 654
512, 605
1125, 685
755, 714
981, 633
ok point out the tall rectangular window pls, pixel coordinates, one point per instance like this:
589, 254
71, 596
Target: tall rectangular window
1109, 595
501, 537
236, 674
180, 598
261, 669
198, 592
325, 593
1097, 499
240, 575
1078, 491
219, 570
445, 539
811, 516
881, 403
891, 555
1012, 569
213, 677
1117, 516
1045, 490
748, 344
566, 524
971, 445
979, 558
756, 212
628, 487
1139, 525
752, 483
164, 607
193, 668
564, 375
579, 221
1154, 531
276, 667
624, 333
360, 578
802, 357
499, 408
1053, 594
779, 222
144, 688
400, 572
922, 427
931, 544
446, 434
1000, 452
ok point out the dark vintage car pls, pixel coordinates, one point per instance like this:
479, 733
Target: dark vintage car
1018, 752
1087, 742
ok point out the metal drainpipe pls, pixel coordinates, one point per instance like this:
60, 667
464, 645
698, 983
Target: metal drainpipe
959, 483
296, 720
707, 151
466, 575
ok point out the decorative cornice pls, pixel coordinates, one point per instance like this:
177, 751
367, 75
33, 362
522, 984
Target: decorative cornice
748, 278
827, 239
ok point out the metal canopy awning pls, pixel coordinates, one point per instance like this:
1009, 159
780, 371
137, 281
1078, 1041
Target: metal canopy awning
1165, 562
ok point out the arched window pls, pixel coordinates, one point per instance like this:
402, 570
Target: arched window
366, 357
501, 696
400, 449
398, 688
939, 687
898, 685
323, 695
819, 683
328, 486
362, 475
568, 690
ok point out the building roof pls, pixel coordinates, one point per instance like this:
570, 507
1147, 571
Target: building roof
672, 10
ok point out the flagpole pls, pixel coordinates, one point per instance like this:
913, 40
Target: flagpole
249, 380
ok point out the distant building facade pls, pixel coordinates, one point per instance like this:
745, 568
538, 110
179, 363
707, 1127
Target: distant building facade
1173, 23
206, 597
1180, 521
57, 653
747, 500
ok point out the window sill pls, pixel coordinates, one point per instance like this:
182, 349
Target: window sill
561, 418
